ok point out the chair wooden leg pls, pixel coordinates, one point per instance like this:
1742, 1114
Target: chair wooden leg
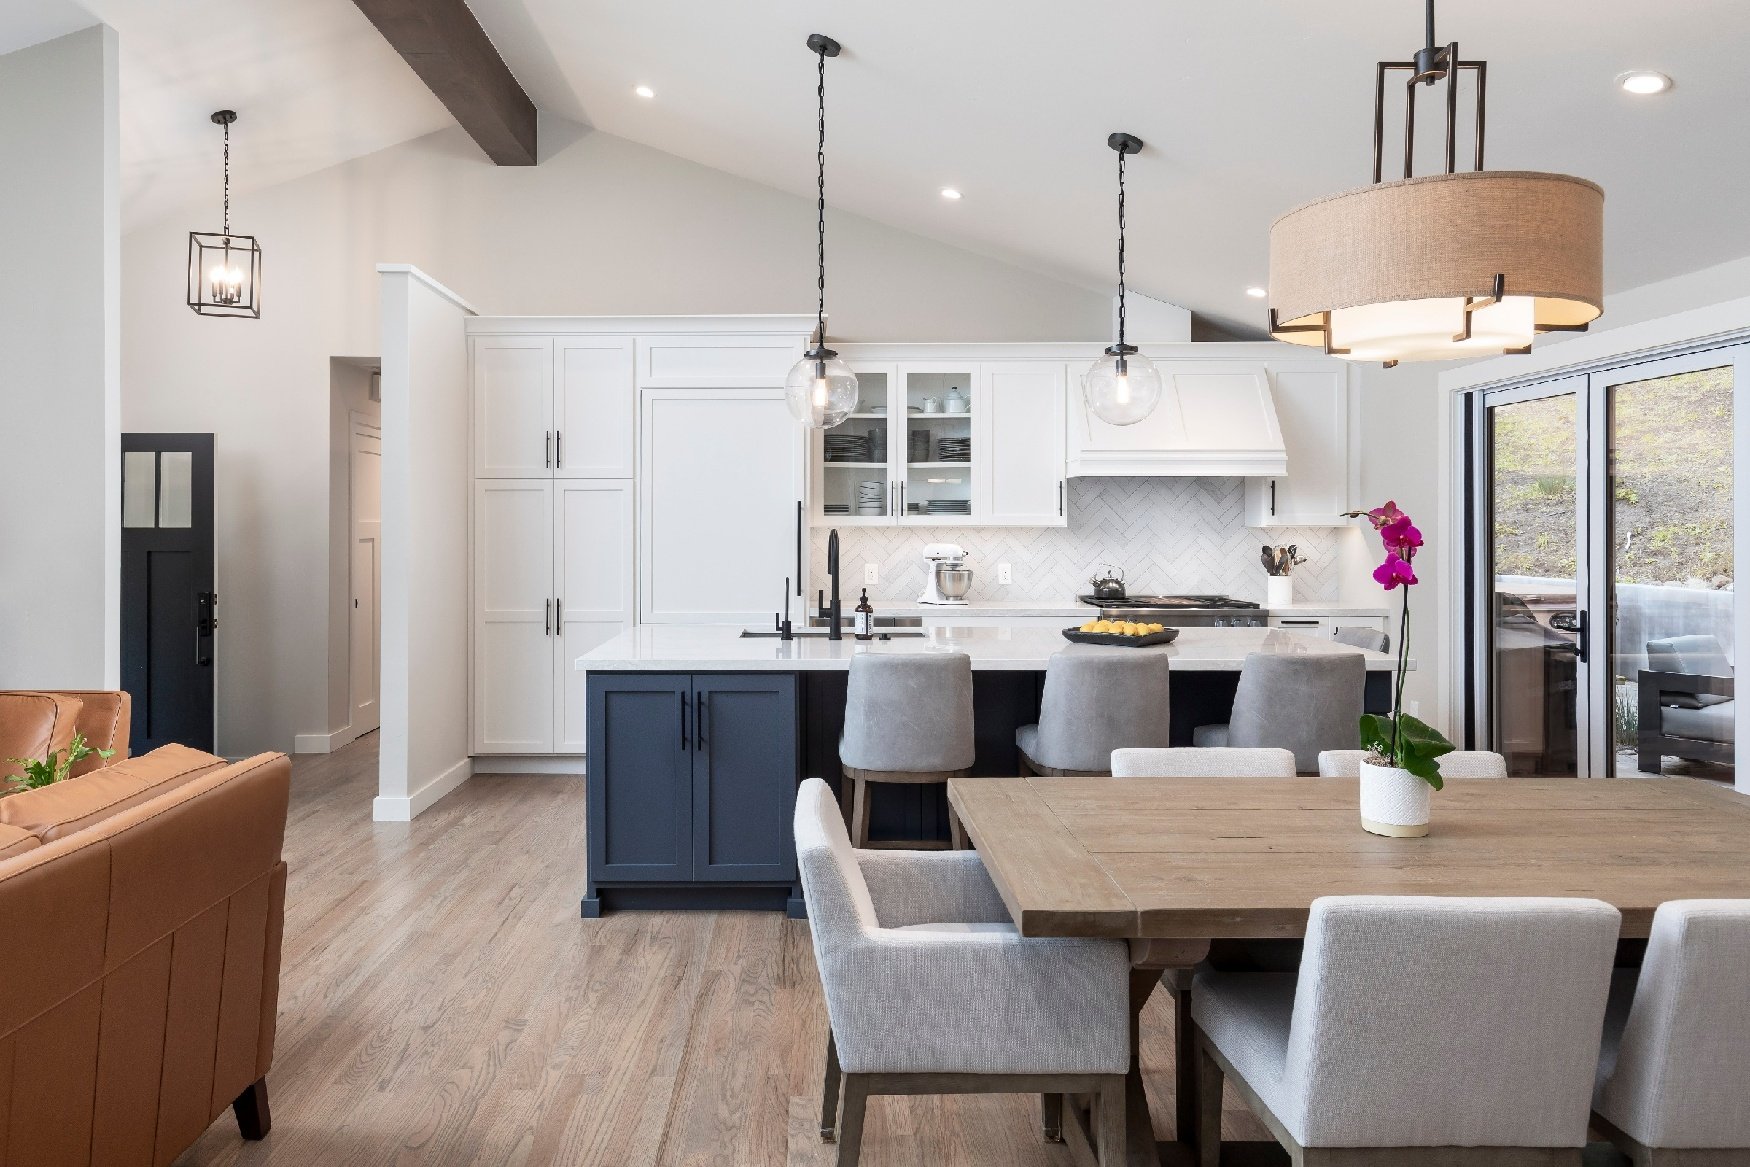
1025, 765
829, 1093
1109, 1113
1051, 1117
1208, 1109
254, 1119
851, 1121
1184, 1054
859, 813
956, 832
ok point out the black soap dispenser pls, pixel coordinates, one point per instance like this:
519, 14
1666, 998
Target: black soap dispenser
863, 619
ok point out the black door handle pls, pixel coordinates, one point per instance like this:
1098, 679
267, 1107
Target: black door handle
1584, 644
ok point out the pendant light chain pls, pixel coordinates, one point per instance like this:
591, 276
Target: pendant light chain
820, 202
1121, 247
227, 128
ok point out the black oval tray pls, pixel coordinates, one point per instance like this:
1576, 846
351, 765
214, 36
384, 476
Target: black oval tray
1164, 636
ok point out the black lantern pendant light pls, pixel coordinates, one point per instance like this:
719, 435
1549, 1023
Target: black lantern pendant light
1124, 386
1466, 263
224, 270
821, 390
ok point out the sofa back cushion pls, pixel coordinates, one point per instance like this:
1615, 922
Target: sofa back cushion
55, 811
14, 841
34, 725
105, 717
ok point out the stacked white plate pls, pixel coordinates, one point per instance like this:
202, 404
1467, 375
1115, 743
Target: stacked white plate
871, 494
950, 506
837, 508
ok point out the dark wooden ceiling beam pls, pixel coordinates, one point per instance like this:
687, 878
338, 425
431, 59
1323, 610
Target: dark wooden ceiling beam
454, 57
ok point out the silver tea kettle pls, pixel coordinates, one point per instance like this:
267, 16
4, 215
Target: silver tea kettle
1109, 586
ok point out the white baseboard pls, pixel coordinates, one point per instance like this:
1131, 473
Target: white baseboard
404, 810
528, 764
323, 743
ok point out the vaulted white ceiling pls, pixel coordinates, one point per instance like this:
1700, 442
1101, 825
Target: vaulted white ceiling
1249, 107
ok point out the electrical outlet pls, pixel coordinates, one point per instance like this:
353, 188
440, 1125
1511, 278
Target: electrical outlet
871, 574
1004, 574
1414, 708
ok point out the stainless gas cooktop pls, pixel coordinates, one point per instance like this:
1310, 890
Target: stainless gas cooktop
1182, 611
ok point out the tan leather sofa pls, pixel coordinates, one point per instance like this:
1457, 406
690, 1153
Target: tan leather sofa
33, 725
141, 908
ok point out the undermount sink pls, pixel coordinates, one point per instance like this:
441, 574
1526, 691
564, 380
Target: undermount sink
880, 621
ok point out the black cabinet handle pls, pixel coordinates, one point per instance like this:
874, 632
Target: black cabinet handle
547, 457
559, 617
699, 721
683, 721
558, 449
1060, 498
1272, 496
549, 608
799, 526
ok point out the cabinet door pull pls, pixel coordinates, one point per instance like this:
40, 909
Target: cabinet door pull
683, 721
699, 720
558, 449
1060, 498
549, 608
1302, 623
1272, 498
559, 616
547, 457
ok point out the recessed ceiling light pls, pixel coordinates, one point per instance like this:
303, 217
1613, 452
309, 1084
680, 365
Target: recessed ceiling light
644, 91
1256, 293
1644, 82
949, 192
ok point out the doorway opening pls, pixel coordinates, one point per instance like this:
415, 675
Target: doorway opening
355, 543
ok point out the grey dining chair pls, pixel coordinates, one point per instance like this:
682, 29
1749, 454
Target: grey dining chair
908, 721
1674, 1072
1303, 702
1208, 762
930, 989
1457, 764
1096, 700
1420, 1030
1372, 639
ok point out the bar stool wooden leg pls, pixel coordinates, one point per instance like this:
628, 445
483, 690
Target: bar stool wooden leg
859, 813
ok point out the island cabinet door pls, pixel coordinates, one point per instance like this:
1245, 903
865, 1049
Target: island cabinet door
640, 778
745, 773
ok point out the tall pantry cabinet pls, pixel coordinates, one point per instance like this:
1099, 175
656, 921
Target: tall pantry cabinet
553, 528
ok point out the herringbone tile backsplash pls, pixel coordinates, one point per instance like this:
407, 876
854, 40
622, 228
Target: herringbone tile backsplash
1170, 535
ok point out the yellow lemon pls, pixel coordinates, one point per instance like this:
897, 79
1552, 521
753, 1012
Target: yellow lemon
1101, 626
1090, 626
1157, 627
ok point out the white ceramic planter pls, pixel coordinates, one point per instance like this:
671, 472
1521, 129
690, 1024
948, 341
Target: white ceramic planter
1394, 802
1278, 591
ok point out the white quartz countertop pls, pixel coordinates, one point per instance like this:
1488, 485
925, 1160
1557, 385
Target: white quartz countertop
985, 609
686, 648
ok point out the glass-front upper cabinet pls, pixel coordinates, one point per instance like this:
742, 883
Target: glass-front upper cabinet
905, 455
853, 479
938, 456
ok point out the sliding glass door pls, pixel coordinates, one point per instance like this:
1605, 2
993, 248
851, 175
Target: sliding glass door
1603, 569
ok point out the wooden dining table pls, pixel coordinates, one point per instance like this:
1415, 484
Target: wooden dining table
1176, 865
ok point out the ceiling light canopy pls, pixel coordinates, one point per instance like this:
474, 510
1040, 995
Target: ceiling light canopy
1644, 82
821, 390
950, 194
1124, 386
1444, 266
224, 270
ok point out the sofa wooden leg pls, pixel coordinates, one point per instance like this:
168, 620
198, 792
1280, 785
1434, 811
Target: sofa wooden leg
254, 1119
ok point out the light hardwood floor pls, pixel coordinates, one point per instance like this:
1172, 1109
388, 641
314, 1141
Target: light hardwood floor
441, 1002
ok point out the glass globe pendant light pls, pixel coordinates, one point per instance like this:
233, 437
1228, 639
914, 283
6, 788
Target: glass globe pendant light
821, 390
224, 270
1124, 386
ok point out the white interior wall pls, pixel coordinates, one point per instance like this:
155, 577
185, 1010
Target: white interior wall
60, 505
426, 480
602, 226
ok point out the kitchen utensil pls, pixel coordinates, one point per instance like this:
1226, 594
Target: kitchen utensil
932, 405
1109, 586
955, 401
1164, 636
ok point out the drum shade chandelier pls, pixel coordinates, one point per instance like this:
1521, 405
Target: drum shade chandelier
224, 270
1124, 386
821, 390
1433, 268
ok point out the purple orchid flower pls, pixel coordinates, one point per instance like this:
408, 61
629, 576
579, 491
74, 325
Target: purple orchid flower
1401, 536
1394, 571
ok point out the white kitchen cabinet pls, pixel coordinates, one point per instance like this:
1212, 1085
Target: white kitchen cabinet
513, 406
553, 406
1315, 407
999, 456
592, 590
720, 484
552, 580
1215, 418
1325, 625
595, 405
513, 617
1020, 411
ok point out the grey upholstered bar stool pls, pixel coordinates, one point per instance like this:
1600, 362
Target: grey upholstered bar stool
1420, 1031
908, 720
1457, 764
1674, 1075
1301, 702
1207, 762
1096, 700
1372, 639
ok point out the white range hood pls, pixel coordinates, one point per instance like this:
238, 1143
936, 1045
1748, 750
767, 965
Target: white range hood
1215, 419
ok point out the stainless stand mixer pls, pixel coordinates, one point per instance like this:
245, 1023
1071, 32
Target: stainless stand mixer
947, 579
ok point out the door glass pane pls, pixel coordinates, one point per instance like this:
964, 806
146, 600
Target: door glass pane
139, 488
1534, 632
176, 489
1670, 507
